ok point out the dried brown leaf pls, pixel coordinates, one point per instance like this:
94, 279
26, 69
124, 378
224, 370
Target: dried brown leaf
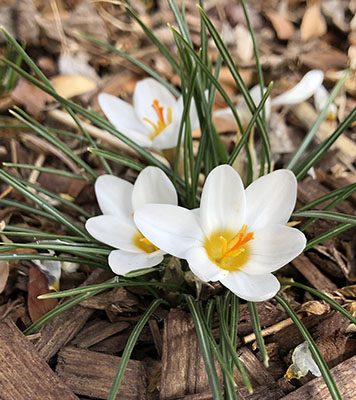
30, 96
73, 85
313, 23
37, 285
284, 28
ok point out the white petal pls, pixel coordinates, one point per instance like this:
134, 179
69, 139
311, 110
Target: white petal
148, 90
252, 287
153, 186
321, 97
309, 84
168, 138
122, 115
113, 231
271, 199
171, 228
272, 248
223, 201
114, 196
51, 269
202, 266
121, 262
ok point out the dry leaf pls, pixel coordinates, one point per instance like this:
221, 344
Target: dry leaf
313, 23
4, 274
348, 291
30, 96
313, 308
284, 28
72, 85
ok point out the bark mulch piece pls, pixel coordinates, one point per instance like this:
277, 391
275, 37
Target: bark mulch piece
89, 373
58, 332
24, 374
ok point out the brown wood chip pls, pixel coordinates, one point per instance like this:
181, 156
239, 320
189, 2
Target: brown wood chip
91, 374
24, 375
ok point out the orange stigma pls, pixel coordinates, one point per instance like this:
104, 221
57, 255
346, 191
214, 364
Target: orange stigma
161, 123
227, 250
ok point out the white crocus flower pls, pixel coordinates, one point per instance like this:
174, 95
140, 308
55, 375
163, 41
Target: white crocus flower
154, 118
307, 87
239, 237
119, 200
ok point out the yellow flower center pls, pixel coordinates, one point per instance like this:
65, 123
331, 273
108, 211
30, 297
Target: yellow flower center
143, 243
228, 250
161, 123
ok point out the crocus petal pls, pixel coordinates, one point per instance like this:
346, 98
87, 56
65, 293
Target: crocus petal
168, 138
321, 97
272, 248
121, 262
114, 196
202, 266
113, 231
309, 84
252, 287
270, 199
148, 90
171, 228
153, 186
223, 201
122, 115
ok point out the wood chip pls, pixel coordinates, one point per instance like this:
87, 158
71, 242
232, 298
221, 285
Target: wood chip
91, 374
97, 331
313, 275
60, 330
183, 369
24, 375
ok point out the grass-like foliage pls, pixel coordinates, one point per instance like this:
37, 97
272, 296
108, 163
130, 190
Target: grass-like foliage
199, 84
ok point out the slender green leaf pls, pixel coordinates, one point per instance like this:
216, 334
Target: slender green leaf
134, 61
48, 170
328, 235
205, 349
130, 345
59, 310
308, 138
318, 358
324, 297
256, 325
330, 215
315, 155
239, 81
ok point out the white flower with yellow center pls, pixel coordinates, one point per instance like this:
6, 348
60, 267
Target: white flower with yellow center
154, 118
119, 200
239, 237
308, 86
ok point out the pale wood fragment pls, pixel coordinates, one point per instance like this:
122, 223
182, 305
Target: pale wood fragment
24, 375
91, 374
